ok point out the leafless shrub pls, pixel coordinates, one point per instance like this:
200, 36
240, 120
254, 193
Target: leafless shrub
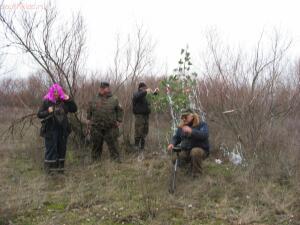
56, 48
248, 100
132, 61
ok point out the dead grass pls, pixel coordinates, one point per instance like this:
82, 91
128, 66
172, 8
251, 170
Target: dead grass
137, 192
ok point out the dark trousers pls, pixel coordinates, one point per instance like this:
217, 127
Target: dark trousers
110, 136
56, 146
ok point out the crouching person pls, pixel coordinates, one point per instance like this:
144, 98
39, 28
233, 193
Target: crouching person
55, 127
192, 136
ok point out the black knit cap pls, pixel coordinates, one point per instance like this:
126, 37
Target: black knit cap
104, 84
142, 84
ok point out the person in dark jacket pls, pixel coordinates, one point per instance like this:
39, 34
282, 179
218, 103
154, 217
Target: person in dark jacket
141, 110
192, 135
55, 127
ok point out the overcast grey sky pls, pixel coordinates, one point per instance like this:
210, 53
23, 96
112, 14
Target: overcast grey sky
173, 24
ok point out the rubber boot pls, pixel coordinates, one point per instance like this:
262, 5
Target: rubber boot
50, 167
137, 144
142, 143
47, 167
141, 156
61, 166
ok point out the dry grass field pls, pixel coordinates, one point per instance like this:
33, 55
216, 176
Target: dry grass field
135, 192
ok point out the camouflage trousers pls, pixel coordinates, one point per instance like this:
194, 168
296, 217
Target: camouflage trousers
193, 158
110, 136
141, 129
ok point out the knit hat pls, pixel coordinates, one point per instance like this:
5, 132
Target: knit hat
142, 84
187, 111
104, 84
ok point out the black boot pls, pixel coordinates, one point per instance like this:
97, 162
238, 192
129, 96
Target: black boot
47, 167
50, 167
117, 159
137, 144
61, 166
96, 155
142, 143
96, 158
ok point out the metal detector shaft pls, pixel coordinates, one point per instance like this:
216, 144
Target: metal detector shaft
173, 179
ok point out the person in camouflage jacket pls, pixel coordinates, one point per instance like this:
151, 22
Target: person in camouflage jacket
104, 116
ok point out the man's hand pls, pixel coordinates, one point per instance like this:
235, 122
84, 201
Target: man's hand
66, 97
148, 90
170, 147
156, 91
187, 129
50, 109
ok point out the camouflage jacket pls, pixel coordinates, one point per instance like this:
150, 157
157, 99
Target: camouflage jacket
105, 111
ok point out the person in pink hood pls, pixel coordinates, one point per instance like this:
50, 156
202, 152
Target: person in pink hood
55, 127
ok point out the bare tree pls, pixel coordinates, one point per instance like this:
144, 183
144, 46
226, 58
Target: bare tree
57, 47
132, 60
245, 95
2, 57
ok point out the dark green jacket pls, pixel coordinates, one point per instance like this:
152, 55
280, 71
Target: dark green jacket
105, 111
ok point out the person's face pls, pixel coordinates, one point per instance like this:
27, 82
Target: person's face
187, 119
143, 88
104, 91
56, 95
